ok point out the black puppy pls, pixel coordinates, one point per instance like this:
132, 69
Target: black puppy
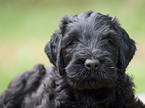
90, 53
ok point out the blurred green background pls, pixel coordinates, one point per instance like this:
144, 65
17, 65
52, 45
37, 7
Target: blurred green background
26, 26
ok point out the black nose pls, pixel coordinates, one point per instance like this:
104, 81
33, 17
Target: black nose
92, 64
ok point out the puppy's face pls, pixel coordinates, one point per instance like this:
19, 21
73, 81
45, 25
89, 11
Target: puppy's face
91, 50
90, 56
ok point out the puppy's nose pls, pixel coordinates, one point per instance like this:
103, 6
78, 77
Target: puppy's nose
92, 64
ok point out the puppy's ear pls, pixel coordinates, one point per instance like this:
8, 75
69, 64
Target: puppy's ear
53, 48
53, 51
126, 50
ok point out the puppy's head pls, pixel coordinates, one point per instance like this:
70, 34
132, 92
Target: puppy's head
90, 50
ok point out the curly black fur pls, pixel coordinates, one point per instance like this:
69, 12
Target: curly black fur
70, 83
24, 84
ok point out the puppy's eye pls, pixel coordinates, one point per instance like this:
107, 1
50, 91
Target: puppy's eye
72, 43
69, 44
107, 36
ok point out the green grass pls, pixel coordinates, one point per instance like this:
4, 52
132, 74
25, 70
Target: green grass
136, 71
26, 26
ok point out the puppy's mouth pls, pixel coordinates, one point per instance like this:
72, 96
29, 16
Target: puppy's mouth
91, 80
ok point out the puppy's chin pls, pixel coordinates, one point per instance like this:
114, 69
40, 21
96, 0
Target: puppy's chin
97, 91
91, 84
96, 95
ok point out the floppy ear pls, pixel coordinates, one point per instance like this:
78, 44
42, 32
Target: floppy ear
126, 51
53, 51
53, 48
127, 46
